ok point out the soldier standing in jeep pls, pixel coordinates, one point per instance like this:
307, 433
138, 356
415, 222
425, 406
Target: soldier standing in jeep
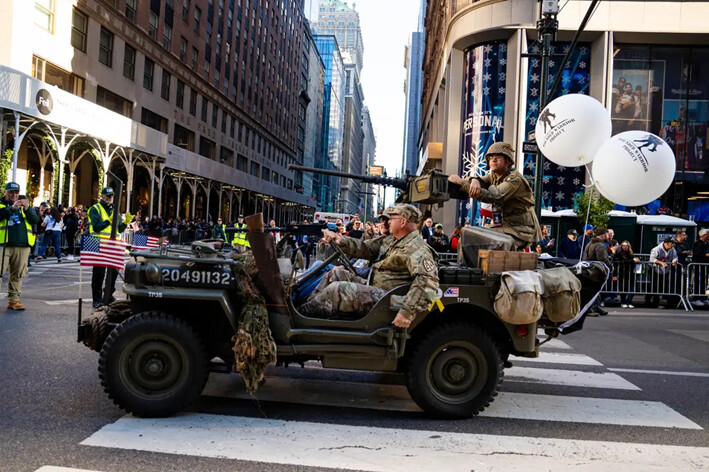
402, 258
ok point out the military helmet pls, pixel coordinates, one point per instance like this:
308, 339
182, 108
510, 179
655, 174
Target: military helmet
501, 149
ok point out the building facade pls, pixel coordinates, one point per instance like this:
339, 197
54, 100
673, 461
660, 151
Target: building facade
213, 82
478, 87
351, 199
335, 17
314, 91
333, 121
369, 147
413, 63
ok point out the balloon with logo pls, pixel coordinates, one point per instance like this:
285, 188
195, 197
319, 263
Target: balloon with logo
634, 168
571, 129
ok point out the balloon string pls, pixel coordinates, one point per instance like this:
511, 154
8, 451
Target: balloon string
588, 210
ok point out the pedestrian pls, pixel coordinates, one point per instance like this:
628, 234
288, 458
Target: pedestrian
219, 230
664, 276
455, 237
439, 240
427, 229
682, 248
625, 263
596, 250
700, 260
546, 241
71, 228
53, 225
100, 223
240, 241
17, 238
509, 193
370, 230
570, 248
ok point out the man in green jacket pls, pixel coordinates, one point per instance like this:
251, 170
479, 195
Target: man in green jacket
17, 239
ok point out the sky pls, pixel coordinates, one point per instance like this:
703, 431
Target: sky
386, 29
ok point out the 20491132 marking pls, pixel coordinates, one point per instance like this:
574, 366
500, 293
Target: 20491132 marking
196, 276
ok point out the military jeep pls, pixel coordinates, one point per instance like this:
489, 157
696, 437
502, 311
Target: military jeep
158, 348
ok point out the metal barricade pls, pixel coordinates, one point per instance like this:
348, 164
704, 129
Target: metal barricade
447, 256
696, 289
629, 279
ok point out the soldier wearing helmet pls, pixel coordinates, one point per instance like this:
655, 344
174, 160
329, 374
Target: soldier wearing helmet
509, 193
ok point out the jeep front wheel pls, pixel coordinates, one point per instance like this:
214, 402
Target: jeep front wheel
153, 364
455, 371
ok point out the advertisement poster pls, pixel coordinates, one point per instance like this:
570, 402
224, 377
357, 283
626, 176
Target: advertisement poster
560, 184
483, 113
636, 101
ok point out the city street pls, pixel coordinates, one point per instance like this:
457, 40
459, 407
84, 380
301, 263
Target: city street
626, 393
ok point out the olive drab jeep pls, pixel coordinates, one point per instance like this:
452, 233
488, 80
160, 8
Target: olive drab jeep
184, 307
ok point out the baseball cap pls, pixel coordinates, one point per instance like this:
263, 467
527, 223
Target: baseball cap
587, 227
573, 231
12, 186
669, 239
405, 210
241, 216
107, 191
438, 225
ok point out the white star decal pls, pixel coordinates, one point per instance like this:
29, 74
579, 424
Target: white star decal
534, 49
501, 90
487, 77
530, 165
534, 78
582, 65
488, 48
561, 169
559, 195
534, 106
566, 49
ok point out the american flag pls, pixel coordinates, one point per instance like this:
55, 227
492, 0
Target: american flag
102, 252
143, 241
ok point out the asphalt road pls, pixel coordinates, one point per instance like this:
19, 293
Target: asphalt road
629, 391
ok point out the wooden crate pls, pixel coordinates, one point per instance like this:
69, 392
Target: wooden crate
494, 262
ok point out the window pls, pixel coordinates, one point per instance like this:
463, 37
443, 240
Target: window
242, 163
130, 10
206, 147
185, 10
79, 27
184, 138
183, 49
265, 174
153, 25
255, 168
105, 51
129, 62
215, 111
44, 14
197, 17
226, 156
180, 94
203, 114
153, 120
165, 87
193, 102
53, 75
223, 121
148, 72
195, 54
166, 36
233, 126
114, 102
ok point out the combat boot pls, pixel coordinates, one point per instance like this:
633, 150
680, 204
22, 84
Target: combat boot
15, 305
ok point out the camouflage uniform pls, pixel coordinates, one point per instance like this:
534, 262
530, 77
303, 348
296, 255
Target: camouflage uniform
512, 195
397, 262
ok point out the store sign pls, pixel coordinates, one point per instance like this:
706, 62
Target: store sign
44, 102
376, 170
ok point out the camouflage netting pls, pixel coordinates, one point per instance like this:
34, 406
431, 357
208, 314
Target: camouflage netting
254, 347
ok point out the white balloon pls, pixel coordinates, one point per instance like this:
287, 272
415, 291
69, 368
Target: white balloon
571, 129
634, 168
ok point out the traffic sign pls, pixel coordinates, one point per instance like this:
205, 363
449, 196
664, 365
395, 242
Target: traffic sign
529, 148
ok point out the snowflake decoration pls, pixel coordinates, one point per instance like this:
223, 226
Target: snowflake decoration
582, 79
550, 78
561, 169
534, 78
501, 90
532, 121
474, 164
584, 50
534, 92
530, 165
565, 91
486, 90
547, 165
545, 195
488, 62
551, 63
582, 65
535, 63
566, 49
534, 49
560, 180
488, 48
559, 195
578, 169
546, 180
534, 106
577, 182
502, 76
486, 77
467, 205
565, 80
503, 48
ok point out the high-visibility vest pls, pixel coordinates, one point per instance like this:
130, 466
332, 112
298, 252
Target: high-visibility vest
223, 226
30, 234
105, 232
240, 236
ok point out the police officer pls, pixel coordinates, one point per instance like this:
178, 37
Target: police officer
100, 221
219, 230
240, 242
509, 193
17, 238
402, 258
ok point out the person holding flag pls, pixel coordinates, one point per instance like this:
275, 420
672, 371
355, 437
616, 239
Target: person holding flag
17, 238
100, 221
240, 242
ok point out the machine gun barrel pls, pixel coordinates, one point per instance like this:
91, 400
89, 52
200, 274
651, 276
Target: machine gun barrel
402, 184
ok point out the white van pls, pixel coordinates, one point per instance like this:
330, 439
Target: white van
331, 217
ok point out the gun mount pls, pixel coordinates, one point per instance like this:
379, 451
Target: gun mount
430, 188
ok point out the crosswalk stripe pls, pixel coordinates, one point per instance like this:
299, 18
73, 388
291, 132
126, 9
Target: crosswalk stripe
559, 358
661, 372
53, 468
574, 378
309, 444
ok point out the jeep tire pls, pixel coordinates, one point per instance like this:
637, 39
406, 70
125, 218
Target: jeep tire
153, 364
454, 371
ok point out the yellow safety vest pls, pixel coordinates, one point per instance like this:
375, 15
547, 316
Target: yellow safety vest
240, 236
31, 238
105, 232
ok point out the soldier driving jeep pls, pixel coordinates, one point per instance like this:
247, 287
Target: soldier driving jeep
400, 258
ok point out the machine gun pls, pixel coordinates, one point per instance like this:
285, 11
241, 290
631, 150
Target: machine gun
431, 188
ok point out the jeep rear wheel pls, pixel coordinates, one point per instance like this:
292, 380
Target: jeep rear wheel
455, 371
153, 364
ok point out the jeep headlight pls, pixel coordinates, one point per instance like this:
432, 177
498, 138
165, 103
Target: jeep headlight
152, 274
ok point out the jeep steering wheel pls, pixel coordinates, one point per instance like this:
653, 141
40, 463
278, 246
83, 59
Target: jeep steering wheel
343, 257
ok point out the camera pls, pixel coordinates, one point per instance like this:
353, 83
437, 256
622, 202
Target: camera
22, 197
